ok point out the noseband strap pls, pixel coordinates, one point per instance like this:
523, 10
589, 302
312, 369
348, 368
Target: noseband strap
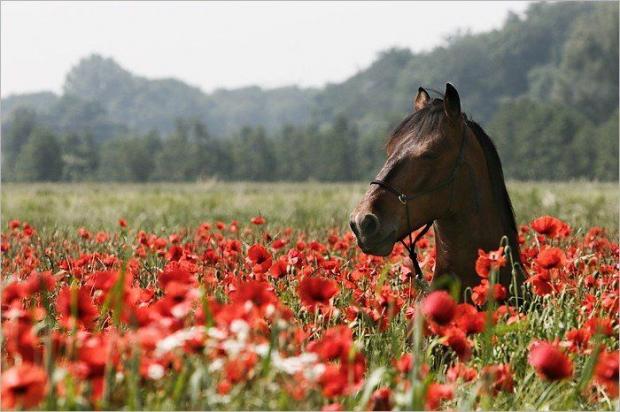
404, 199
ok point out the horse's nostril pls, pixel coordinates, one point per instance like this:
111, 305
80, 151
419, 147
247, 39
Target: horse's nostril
353, 226
369, 224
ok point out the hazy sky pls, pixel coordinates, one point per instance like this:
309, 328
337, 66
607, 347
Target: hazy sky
213, 45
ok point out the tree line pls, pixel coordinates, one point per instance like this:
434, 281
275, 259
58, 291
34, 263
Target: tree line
189, 153
567, 145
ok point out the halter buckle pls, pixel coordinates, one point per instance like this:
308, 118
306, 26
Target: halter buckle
402, 198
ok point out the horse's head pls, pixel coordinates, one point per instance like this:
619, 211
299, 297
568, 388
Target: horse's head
423, 155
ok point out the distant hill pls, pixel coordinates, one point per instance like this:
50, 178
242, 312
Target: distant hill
40, 102
520, 59
142, 105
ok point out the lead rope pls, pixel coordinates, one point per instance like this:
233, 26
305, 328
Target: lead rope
411, 248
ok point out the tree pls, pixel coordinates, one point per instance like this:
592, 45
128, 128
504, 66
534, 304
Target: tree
130, 159
40, 158
588, 73
80, 157
537, 141
15, 134
252, 155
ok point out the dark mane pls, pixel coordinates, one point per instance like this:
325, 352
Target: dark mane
429, 118
496, 174
422, 122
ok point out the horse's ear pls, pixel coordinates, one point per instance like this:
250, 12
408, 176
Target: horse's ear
452, 102
421, 100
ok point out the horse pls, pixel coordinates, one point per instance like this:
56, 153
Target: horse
442, 170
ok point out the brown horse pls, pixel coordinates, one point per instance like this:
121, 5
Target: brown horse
443, 169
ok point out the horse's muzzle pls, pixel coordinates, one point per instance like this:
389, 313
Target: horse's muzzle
370, 238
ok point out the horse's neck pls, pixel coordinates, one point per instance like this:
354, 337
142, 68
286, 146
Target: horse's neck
478, 225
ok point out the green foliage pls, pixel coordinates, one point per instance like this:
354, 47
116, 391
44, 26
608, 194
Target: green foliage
588, 71
80, 157
128, 159
554, 141
15, 135
40, 158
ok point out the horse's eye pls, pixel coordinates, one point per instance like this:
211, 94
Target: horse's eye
429, 155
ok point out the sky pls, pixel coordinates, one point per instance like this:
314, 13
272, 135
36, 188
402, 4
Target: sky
225, 45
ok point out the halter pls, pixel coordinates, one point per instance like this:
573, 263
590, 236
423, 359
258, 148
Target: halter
404, 199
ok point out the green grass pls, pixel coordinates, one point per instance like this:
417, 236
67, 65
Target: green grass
307, 206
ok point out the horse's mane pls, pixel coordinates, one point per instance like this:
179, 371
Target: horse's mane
429, 118
496, 175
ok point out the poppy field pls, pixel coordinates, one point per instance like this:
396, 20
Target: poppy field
233, 297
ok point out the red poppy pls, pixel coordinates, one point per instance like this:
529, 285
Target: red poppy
239, 368
550, 226
481, 292
122, 223
549, 361
606, 372
404, 363
278, 244
578, 338
335, 344
258, 292
381, 400
260, 258
175, 271
14, 292
315, 291
600, 325
332, 407
175, 253
258, 220
333, 382
101, 237
498, 378
279, 268
541, 283
40, 281
461, 371
439, 307
550, 257
437, 393
456, 339
23, 386
21, 338
344, 378
468, 319
93, 353
83, 233
489, 261
76, 302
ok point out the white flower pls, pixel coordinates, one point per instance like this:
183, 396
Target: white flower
216, 333
216, 365
314, 372
175, 340
261, 349
294, 364
240, 328
155, 371
269, 310
232, 347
